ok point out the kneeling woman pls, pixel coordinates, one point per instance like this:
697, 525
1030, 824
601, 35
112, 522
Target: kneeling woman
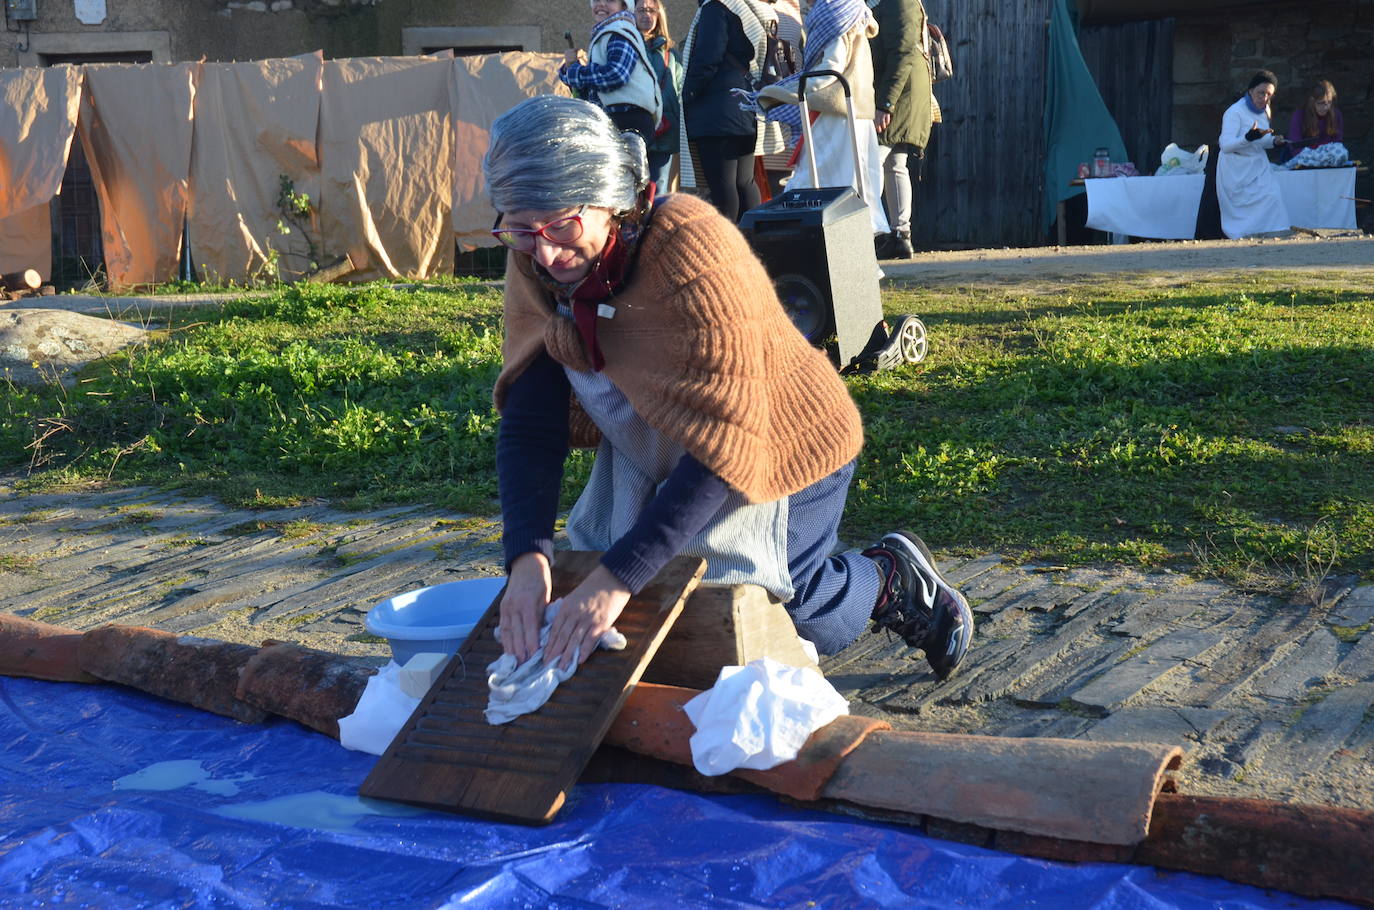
651, 327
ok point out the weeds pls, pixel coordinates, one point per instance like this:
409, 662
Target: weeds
15, 562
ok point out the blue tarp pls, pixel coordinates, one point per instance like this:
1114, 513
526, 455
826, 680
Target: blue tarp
113, 799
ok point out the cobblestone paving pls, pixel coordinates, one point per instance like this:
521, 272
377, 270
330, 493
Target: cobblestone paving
1269, 697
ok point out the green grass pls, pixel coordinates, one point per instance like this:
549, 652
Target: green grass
1224, 427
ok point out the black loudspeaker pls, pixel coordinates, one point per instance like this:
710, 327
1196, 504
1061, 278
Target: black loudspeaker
817, 245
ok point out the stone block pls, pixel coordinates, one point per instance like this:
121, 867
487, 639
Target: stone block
1261, 633
967, 571
1251, 746
1182, 727
1201, 53
1125, 680
1355, 609
1358, 663
990, 584
1076, 669
1146, 617
1301, 669
994, 679
1323, 728
1028, 590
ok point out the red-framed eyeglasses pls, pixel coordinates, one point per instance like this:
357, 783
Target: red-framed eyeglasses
560, 231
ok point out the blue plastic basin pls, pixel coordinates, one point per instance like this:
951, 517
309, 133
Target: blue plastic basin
437, 618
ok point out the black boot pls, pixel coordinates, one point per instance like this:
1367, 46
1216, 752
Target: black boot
894, 245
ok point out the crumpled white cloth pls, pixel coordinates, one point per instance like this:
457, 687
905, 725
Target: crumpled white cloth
380, 713
759, 715
517, 690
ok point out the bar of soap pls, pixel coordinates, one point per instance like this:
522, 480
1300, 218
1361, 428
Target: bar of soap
420, 672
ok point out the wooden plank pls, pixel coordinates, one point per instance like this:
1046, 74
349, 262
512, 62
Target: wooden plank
448, 757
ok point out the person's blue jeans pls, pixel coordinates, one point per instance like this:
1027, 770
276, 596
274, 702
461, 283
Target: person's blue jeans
835, 595
661, 170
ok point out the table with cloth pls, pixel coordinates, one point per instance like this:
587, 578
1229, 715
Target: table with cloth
1165, 208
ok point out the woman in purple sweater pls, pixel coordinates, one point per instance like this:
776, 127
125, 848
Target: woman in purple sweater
1317, 122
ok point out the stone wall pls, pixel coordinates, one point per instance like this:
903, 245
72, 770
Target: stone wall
1215, 56
172, 30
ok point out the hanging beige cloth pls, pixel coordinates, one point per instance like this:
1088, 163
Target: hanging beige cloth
255, 123
38, 108
482, 88
135, 126
386, 159
37, 120
26, 241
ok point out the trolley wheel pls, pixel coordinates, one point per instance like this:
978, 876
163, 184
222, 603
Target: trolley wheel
912, 340
906, 343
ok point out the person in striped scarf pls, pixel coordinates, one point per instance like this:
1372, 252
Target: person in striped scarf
837, 33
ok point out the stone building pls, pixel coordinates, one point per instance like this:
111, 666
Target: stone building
52, 31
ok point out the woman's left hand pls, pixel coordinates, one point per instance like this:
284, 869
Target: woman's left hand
588, 612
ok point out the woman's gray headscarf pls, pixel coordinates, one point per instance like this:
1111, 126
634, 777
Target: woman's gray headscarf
550, 152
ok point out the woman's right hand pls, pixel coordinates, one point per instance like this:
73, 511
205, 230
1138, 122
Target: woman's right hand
522, 606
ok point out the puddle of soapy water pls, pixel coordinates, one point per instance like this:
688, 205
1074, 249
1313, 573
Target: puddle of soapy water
185, 772
316, 809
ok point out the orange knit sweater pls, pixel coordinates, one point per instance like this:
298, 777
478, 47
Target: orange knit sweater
705, 354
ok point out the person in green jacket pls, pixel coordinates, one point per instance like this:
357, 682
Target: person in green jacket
652, 20
901, 90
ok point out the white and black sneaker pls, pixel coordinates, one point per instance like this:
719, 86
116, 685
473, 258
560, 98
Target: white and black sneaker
918, 604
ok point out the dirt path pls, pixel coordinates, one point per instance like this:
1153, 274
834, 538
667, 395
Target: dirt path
1304, 260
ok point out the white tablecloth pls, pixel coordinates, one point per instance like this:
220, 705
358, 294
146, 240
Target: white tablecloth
1165, 208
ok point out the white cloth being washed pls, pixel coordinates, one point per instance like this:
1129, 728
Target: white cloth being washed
517, 690
759, 715
380, 714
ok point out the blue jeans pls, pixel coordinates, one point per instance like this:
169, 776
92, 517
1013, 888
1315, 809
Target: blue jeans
661, 170
835, 595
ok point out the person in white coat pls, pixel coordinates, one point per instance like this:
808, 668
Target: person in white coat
1247, 191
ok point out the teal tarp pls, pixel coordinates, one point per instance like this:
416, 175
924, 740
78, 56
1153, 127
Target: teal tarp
1076, 119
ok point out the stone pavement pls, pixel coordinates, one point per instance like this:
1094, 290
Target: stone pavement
1269, 697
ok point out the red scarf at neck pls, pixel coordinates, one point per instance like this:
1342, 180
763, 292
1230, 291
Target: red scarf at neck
606, 276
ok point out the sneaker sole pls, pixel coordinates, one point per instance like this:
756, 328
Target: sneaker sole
917, 549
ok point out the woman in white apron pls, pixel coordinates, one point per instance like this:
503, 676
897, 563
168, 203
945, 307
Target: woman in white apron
1247, 190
